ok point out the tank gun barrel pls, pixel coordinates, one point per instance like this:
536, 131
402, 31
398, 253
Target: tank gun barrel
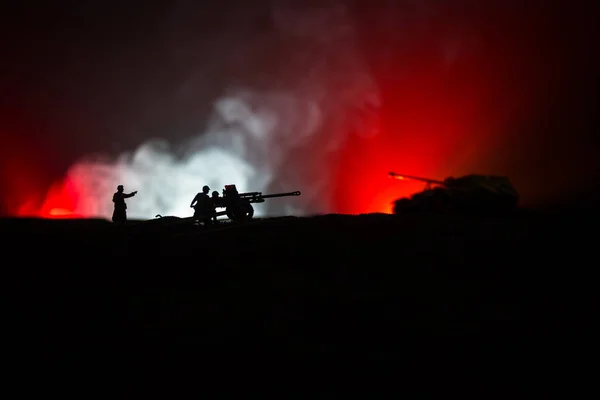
416, 178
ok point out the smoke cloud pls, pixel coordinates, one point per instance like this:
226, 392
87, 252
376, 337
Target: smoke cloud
281, 134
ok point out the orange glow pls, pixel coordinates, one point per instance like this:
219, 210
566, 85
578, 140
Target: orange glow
62, 213
59, 212
396, 176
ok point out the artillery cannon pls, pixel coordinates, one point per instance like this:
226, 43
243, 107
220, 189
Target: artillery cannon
469, 194
238, 206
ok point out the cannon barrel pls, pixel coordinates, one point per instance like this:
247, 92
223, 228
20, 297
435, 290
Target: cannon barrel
271, 196
416, 178
258, 197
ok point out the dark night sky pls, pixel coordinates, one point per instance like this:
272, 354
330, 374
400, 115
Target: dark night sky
102, 77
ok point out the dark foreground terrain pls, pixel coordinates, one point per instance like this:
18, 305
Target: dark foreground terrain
512, 292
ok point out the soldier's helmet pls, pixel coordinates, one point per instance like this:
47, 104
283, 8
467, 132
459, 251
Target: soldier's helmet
120, 188
206, 189
215, 194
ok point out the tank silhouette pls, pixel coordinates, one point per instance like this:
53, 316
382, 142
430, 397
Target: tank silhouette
469, 194
238, 206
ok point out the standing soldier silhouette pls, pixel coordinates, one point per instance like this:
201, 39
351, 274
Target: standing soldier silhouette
202, 205
120, 214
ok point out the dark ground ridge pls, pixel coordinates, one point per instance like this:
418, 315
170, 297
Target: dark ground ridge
365, 285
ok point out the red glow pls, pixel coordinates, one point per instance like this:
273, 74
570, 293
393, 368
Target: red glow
447, 111
440, 118
60, 202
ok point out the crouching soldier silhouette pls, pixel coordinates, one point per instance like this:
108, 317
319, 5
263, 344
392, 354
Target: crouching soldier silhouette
120, 213
216, 201
202, 206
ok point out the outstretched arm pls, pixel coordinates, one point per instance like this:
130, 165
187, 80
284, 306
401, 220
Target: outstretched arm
194, 201
130, 194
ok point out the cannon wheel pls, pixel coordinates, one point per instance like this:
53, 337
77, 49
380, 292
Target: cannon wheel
240, 213
250, 211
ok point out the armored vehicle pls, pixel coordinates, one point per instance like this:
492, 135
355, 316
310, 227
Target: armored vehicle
469, 194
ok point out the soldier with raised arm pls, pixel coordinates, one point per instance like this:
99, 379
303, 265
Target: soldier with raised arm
120, 213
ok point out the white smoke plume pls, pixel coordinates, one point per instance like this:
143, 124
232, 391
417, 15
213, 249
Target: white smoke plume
280, 136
